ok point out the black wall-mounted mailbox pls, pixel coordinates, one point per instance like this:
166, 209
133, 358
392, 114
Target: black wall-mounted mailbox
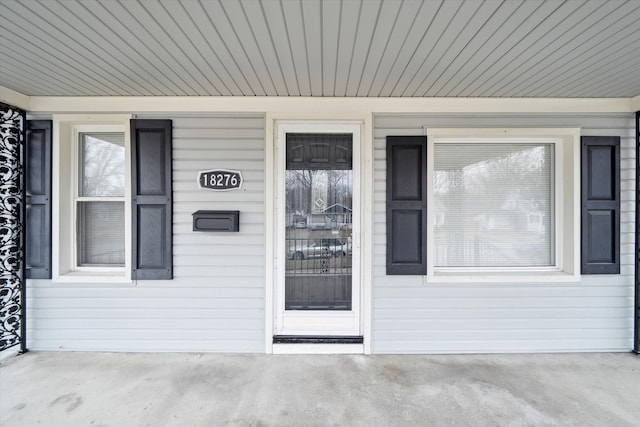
220, 221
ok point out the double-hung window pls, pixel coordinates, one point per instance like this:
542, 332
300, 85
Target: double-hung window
92, 208
99, 206
111, 214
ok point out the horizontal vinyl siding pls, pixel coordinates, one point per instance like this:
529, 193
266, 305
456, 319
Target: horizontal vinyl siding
216, 300
412, 316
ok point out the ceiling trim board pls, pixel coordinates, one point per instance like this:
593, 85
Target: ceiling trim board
11, 97
337, 105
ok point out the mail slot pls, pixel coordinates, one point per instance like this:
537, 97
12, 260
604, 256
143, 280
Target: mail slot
221, 221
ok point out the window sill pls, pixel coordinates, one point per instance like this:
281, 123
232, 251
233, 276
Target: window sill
93, 277
502, 277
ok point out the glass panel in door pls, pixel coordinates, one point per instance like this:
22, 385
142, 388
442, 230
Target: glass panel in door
319, 221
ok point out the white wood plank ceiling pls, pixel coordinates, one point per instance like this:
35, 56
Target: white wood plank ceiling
398, 48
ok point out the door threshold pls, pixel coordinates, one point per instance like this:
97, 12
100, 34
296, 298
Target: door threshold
317, 339
317, 344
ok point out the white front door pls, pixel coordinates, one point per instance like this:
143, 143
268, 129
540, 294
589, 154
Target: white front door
318, 224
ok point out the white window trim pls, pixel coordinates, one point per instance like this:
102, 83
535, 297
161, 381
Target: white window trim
567, 209
66, 129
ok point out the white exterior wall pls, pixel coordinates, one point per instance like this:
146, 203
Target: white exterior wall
216, 300
410, 315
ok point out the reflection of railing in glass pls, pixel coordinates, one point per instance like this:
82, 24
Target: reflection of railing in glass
318, 274
482, 250
318, 256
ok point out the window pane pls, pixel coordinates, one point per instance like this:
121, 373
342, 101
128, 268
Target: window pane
493, 205
319, 219
101, 234
102, 164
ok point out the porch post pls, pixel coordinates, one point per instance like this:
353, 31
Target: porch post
636, 314
12, 222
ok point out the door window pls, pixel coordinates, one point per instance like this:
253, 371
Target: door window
319, 221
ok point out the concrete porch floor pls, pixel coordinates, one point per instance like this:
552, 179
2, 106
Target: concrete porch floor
193, 389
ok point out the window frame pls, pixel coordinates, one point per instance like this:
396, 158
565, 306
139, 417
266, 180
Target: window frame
66, 156
566, 142
78, 131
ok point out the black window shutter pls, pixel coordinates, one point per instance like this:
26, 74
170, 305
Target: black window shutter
406, 205
152, 198
38, 203
600, 205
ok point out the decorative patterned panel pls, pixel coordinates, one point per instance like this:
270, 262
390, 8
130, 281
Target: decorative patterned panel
11, 226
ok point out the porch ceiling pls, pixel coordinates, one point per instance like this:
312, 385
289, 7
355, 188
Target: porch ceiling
397, 48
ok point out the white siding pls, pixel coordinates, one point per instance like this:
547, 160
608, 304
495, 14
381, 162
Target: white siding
410, 316
216, 300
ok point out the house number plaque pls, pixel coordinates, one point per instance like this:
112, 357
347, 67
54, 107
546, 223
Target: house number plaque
220, 179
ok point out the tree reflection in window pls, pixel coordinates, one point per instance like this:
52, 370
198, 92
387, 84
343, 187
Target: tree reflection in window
102, 165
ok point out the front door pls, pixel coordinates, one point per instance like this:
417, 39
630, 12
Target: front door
318, 287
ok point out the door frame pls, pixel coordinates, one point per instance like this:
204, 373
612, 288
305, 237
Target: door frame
310, 123
306, 322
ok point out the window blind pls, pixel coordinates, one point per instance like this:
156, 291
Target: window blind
101, 234
493, 204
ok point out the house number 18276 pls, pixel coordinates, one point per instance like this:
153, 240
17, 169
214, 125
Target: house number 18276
220, 179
